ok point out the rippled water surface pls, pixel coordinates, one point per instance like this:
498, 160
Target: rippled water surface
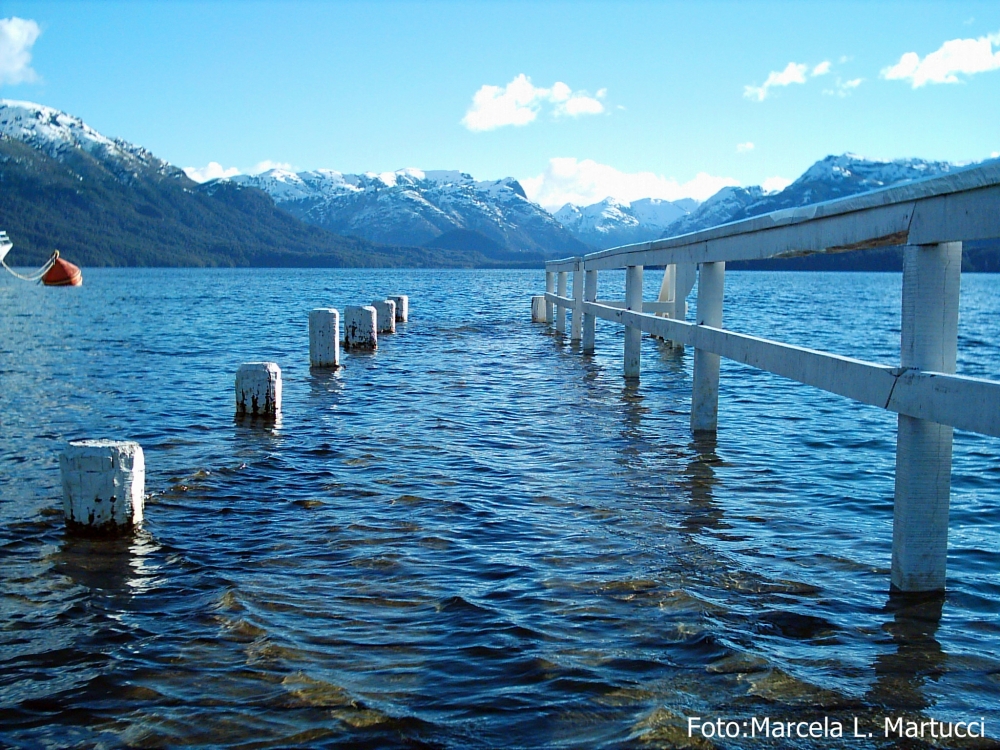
477, 537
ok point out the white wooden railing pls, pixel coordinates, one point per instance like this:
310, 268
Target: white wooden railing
931, 218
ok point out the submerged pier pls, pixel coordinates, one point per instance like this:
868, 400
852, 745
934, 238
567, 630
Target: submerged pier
931, 219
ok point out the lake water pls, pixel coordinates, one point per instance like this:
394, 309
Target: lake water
476, 537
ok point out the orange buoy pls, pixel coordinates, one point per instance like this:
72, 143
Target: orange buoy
62, 273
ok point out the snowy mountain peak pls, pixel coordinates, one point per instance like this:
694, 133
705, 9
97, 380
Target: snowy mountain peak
415, 207
870, 174
612, 222
57, 133
833, 177
657, 212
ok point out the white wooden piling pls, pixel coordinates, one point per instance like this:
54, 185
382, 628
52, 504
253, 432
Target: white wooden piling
576, 327
103, 483
385, 315
258, 389
589, 319
633, 334
705, 388
324, 337
539, 309
550, 288
360, 330
560, 310
402, 307
928, 341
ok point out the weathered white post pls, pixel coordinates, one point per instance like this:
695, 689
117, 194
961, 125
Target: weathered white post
929, 341
103, 484
385, 315
258, 389
550, 287
668, 287
402, 307
678, 280
633, 335
538, 310
560, 310
324, 337
577, 325
359, 327
589, 319
705, 388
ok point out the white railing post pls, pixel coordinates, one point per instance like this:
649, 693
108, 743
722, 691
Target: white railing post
550, 287
684, 278
560, 310
668, 293
589, 319
633, 335
705, 389
928, 341
577, 324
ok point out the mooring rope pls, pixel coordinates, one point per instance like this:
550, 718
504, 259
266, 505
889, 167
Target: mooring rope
37, 275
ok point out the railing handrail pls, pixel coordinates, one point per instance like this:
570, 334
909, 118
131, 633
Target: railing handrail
892, 227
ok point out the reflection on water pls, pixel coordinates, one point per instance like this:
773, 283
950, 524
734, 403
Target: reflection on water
700, 479
477, 536
918, 657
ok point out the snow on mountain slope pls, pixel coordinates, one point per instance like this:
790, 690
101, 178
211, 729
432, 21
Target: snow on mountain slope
59, 135
413, 207
828, 179
655, 212
718, 209
610, 223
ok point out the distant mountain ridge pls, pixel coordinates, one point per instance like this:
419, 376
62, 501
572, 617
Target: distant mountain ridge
827, 179
414, 207
610, 223
105, 201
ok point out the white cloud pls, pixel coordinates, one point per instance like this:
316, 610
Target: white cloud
568, 180
16, 39
843, 88
267, 164
995, 154
742, 148
520, 101
213, 171
793, 73
776, 184
580, 105
965, 56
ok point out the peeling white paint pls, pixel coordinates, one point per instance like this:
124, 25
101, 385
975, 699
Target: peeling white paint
402, 307
103, 485
360, 327
385, 315
258, 389
324, 337
539, 310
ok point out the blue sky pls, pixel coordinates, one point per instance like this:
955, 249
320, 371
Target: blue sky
576, 100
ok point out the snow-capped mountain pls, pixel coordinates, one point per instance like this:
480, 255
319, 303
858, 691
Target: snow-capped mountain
610, 223
60, 135
413, 207
828, 179
719, 209
107, 202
